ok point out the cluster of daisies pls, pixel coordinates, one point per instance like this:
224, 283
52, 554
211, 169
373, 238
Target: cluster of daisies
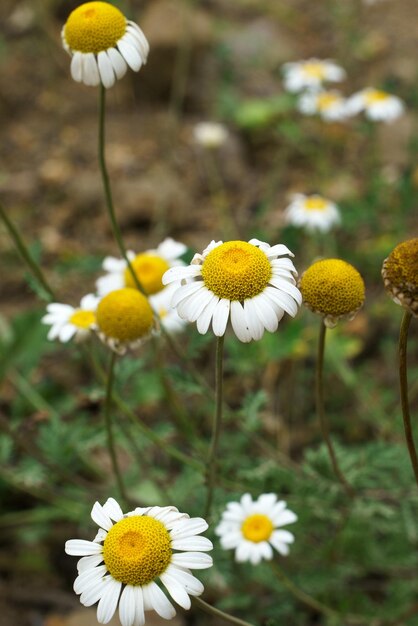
309, 79
134, 556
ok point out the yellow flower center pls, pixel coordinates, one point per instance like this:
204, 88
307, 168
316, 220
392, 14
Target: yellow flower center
332, 287
236, 270
257, 528
376, 95
315, 203
124, 314
149, 269
94, 26
314, 70
137, 550
327, 100
82, 319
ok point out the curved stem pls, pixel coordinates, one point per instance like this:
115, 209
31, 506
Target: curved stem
319, 401
216, 425
25, 254
208, 608
108, 191
109, 430
403, 380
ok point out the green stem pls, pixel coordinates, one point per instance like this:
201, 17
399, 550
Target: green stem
208, 608
108, 191
319, 400
109, 429
25, 254
403, 380
216, 426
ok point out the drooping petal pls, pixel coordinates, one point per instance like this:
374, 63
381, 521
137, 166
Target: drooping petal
157, 600
127, 605
109, 601
107, 75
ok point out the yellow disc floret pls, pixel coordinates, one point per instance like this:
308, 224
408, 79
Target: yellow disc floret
332, 288
236, 270
257, 528
149, 269
315, 70
315, 203
93, 27
137, 550
125, 315
400, 274
376, 95
82, 319
327, 100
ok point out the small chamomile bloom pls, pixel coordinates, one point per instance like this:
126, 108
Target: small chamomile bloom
311, 74
313, 212
400, 275
67, 321
377, 105
132, 551
102, 44
167, 315
329, 105
149, 267
210, 135
254, 527
124, 319
250, 283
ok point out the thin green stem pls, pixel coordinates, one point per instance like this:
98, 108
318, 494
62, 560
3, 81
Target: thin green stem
108, 190
216, 426
25, 254
319, 400
208, 608
109, 429
403, 380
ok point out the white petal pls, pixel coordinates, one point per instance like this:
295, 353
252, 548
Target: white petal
287, 287
195, 544
113, 510
90, 70
80, 547
266, 313
243, 552
247, 503
118, 62
278, 250
100, 536
67, 332
109, 601
231, 540
155, 598
205, 318
134, 27
185, 291
99, 516
266, 502
282, 299
286, 517
239, 322
130, 54
284, 536
265, 550
192, 560
89, 577
106, 72
255, 326
170, 249
139, 607
127, 606
95, 591
77, 67
176, 590
185, 528
220, 317
181, 273
88, 562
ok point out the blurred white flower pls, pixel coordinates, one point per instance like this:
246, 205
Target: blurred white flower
67, 321
377, 105
311, 74
161, 304
312, 212
329, 105
210, 134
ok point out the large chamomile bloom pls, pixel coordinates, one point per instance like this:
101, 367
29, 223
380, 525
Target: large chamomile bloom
131, 552
102, 44
251, 283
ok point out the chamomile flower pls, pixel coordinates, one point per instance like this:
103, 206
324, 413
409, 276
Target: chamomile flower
132, 551
210, 135
333, 289
67, 321
102, 44
124, 319
329, 105
400, 275
149, 267
250, 283
311, 74
168, 316
377, 105
313, 212
254, 527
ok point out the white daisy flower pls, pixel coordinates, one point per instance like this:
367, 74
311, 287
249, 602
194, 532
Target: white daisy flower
250, 527
312, 212
161, 304
251, 283
311, 74
210, 134
377, 105
131, 552
102, 44
329, 105
149, 267
67, 321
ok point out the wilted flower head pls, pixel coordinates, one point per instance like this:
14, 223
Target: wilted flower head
210, 134
329, 105
311, 74
253, 527
313, 212
130, 552
333, 289
377, 105
67, 321
250, 283
400, 275
102, 43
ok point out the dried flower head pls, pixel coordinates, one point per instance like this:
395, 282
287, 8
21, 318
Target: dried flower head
400, 275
